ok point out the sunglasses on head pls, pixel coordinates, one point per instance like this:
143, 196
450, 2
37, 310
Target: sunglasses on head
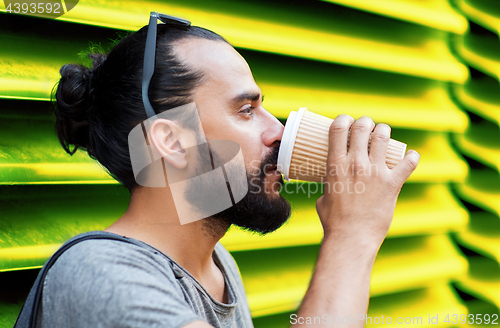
150, 54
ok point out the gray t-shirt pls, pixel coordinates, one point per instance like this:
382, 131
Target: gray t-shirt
108, 283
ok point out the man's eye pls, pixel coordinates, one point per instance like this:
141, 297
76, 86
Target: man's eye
247, 110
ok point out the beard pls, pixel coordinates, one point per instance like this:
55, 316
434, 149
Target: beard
259, 211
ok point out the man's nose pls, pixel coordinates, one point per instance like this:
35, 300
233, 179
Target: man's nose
273, 131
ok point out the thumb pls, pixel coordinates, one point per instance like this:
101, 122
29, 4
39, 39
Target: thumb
406, 166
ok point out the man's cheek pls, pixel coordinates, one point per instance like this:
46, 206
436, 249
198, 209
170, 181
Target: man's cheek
254, 167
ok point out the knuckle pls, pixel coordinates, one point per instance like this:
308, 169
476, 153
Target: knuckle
339, 127
380, 136
357, 158
336, 158
411, 164
359, 128
363, 125
359, 168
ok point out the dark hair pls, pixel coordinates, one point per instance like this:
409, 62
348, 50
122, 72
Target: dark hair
96, 108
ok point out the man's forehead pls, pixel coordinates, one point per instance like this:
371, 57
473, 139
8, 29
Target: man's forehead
218, 61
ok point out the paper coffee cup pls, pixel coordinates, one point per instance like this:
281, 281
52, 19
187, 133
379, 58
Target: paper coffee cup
304, 147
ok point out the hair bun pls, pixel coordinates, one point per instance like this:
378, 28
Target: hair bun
74, 101
97, 60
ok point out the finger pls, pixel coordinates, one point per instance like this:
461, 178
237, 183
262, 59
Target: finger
360, 134
379, 143
406, 166
338, 134
319, 203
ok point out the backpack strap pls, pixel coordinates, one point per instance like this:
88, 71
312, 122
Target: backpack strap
29, 313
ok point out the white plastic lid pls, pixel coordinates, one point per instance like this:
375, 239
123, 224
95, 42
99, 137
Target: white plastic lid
288, 142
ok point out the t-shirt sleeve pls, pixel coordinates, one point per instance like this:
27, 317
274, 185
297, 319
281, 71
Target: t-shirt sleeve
103, 283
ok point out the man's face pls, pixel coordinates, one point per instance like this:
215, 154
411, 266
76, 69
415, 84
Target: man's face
229, 103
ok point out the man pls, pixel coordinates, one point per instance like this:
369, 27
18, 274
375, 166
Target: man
178, 275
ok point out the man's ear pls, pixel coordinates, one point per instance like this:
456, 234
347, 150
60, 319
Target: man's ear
164, 136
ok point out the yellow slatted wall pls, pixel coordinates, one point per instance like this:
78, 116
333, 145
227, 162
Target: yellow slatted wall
480, 145
402, 62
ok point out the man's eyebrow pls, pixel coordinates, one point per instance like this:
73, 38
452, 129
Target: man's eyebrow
253, 96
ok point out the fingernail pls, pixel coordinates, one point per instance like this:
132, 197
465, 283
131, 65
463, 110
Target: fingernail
412, 152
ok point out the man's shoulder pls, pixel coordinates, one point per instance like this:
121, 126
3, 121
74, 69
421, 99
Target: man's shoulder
92, 259
121, 282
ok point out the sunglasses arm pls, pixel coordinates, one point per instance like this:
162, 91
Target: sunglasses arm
149, 64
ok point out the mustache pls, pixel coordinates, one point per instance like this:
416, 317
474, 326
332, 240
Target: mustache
269, 162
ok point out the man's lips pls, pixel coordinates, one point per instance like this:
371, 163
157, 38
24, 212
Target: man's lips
271, 168
272, 172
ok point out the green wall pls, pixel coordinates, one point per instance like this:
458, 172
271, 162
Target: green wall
430, 69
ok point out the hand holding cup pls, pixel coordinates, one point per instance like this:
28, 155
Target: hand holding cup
361, 215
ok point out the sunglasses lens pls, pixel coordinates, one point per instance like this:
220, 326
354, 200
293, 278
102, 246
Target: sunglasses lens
173, 20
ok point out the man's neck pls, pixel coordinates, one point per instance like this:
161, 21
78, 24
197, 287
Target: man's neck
152, 218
